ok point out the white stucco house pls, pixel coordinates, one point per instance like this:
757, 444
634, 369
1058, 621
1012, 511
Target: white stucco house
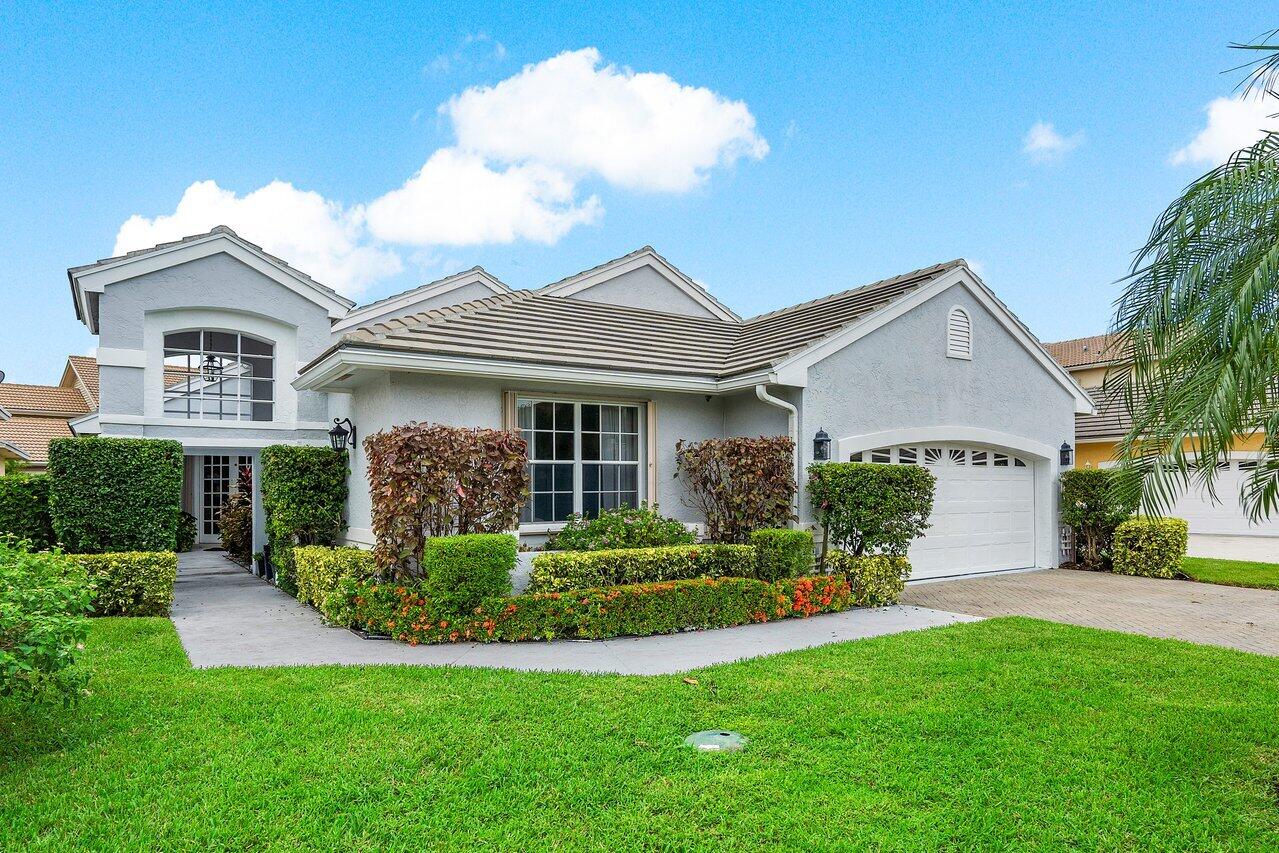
214, 342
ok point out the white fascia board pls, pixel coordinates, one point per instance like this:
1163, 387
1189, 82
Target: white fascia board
86, 424
590, 278
197, 423
345, 360
791, 369
4, 414
11, 451
95, 279
404, 302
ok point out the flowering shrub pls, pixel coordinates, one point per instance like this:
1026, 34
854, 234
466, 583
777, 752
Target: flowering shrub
320, 570
410, 616
626, 527
738, 484
559, 571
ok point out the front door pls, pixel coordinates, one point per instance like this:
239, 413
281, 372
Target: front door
217, 480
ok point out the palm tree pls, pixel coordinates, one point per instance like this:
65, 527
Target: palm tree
1200, 312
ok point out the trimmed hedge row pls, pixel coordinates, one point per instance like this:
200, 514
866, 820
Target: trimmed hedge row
634, 610
461, 571
565, 570
24, 509
135, 583
877, 579
303, 497
782, 553
320, 570
1150, 547
115, 494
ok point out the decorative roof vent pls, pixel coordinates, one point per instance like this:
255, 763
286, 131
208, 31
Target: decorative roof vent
959, 334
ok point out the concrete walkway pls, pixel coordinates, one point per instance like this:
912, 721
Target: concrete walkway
227, 617
1245, 619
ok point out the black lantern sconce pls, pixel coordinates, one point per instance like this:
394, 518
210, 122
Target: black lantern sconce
339, 435
1067, 454
821, 446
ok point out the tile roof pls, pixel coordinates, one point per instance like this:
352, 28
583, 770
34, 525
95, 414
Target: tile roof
1111, 419
86, 368
32, 435
42, 400
1087, 352
533, 326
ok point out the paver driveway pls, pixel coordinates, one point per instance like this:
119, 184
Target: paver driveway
1246, 619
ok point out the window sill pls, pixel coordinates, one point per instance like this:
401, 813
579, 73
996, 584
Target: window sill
537, 527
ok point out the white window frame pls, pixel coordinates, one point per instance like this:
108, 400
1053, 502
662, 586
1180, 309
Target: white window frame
241, 401
643, 463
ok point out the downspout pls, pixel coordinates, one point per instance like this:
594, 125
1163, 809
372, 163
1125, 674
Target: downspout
792, 428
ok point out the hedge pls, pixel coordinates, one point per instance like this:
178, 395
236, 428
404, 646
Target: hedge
782, 553
44, 598
635, 610
133, 583
1150, 547
867, 508
1092, 507
626, 527
320, 570
115, 494
877, 579
461, 571
24, 509
565, 570
304, 498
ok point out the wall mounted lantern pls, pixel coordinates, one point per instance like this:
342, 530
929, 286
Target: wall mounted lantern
821, 446
339, 435
1067, 454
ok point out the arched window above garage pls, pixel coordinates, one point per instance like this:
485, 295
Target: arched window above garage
959, 334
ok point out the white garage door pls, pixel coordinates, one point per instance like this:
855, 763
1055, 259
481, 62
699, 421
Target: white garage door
983, 511
1226, 516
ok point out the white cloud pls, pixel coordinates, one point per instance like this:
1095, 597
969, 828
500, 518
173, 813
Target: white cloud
457, 199
637, 130
1233, 123
312, 233
477, 48
1043, 144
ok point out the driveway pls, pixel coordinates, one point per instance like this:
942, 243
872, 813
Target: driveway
1245, 619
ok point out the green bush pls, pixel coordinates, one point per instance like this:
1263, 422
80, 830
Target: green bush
131, 583
408, 615
461, 571
867, 508
320, 570
304, 498
115, 494
24, 509
564, 570
877, 579
43, 601
626, 527
782, 553
738, 484
1150, 547
1092, 507
186, 532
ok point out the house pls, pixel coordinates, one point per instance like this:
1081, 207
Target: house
211, 341
34, 415
1097, 436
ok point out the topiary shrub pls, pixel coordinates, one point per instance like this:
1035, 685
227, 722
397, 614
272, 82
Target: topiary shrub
565, 570
1092, 507
24, 509
866, 508
235, 522
115, 494
304, 498
1150, 547
782, 553
187, 530
461, 571
134, 583
626, 527
430, 480
738, 484
321, 570
44, 597
877, 580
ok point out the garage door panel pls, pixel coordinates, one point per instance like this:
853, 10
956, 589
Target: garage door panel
1226, 516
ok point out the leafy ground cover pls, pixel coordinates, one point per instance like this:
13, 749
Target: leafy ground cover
1009, 733
1232, 572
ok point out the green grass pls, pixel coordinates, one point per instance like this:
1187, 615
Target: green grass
1008, 733
1232, 572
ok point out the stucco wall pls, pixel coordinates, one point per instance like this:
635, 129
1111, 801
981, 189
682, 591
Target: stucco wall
644, 287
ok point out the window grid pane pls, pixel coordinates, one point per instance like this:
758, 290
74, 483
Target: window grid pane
208, 376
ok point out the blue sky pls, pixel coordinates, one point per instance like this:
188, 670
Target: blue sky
789, 154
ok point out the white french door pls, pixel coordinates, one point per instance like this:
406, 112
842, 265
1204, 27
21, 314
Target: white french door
217, 480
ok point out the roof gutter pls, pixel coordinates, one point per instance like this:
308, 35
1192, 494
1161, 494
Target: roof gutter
792, 429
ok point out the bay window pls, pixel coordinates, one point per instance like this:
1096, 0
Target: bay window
583, 457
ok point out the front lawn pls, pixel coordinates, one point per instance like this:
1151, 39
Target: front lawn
1232, 572
1008, 733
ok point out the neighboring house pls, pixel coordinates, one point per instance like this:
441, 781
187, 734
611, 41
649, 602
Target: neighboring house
9, 452
37, 414
1097, 437
603, 372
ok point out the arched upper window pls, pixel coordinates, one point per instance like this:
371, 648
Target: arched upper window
959, 334
219, 376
